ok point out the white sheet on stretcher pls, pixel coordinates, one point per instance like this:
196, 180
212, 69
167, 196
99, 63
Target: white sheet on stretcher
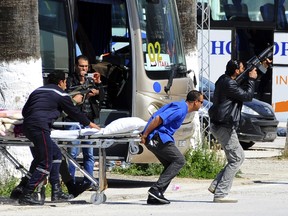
74, 134
93, 133
123, 126
118, 127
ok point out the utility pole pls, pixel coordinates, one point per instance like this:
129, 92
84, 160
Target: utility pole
203, 28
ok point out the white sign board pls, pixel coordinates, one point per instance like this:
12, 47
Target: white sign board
219, 51
161, 64
280, 48
280, 76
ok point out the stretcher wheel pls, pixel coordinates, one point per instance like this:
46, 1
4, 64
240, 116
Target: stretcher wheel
98, 198
104, 198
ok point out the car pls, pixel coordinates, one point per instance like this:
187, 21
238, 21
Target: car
257, 124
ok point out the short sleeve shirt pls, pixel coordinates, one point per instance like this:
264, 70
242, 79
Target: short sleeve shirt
172, 115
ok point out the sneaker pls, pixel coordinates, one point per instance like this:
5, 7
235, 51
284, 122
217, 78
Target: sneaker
152, 201
158, 195
211, 189
28, 199
224, 200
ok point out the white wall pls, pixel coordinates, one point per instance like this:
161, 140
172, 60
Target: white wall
17, 80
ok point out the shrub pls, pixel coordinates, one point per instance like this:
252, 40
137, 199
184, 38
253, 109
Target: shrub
140, 169
202, 162
7, 186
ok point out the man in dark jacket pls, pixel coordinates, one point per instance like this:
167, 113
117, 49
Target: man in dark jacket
42, 108
225, 115
90, 106
80, 81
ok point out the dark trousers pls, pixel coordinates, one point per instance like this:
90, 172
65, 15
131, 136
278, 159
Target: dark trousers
64, 172
47, 158
170, 157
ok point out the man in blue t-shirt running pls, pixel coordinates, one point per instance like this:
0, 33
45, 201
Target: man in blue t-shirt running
158, 138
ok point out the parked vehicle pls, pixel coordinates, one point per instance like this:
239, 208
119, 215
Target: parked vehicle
135, 45
258, 121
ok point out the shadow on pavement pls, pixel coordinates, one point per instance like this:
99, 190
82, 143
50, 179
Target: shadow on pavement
269, 182
126, 183
5, 200
143, 202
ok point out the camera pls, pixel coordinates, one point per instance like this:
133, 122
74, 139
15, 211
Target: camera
90, 75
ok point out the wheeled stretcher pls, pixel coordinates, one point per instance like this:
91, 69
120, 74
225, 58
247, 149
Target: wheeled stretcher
64, 139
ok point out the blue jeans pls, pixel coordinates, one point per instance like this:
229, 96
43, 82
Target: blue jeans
235, 157
88, 158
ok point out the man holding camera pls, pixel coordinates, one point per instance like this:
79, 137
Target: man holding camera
89, 102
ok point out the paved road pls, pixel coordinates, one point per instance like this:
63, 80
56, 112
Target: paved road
261, 190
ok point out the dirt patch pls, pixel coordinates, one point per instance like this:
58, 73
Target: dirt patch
265, 169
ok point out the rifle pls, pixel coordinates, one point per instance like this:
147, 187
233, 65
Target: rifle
81, 89
78, 90
256, 61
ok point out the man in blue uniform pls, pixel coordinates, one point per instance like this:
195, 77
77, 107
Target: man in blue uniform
158, 138
42, 108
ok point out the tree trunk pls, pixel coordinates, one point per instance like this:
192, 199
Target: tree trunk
188, 21
20, 66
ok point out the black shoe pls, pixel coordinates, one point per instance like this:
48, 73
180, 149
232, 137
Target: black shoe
92, 187
158, 195
17, 192
76, 188
28, 199
152, 201
80, 188
39, 194
61, 197
58, 195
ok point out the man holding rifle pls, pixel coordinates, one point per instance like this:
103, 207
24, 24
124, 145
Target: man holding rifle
224, 114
